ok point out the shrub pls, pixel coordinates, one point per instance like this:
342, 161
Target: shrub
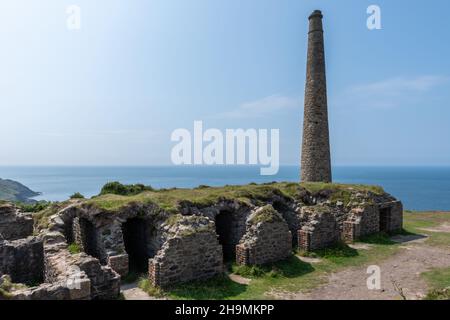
123, 189
77, 195
34, 207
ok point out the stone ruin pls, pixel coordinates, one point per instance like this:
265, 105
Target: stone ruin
40, 267
196, 241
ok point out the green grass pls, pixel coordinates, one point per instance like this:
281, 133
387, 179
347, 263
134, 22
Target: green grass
74, 248
439, 282
415, 221
169, 199
146, 286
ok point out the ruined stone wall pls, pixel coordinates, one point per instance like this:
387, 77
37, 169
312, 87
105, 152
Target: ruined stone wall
14, 224
267, 239
320, 231
361, 221
63, 267
23, 260
191, 253
54, 291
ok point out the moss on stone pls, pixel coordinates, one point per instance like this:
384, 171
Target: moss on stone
7, 286
256, 194
173, 219
318, 209
41, 218
265, 214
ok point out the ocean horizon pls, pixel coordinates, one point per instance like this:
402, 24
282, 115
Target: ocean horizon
418, 187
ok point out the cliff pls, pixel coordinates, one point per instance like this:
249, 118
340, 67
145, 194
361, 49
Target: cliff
14, 191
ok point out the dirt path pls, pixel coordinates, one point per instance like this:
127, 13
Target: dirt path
404, 268
131, 291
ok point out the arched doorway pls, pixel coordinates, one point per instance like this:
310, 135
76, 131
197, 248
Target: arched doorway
135, 237
89, 237
224, 229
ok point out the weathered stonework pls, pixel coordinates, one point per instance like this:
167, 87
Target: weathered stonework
119, 263
361, 221
316, 163
63, 267
267, 239
14, 224
191, 252
320, 231
23, 260
194, 240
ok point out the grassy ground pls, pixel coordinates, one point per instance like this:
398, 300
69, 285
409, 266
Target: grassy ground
168, 199
439, 282
415, 221
294, 275
437, 279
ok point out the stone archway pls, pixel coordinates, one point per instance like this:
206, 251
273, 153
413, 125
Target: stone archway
290, 217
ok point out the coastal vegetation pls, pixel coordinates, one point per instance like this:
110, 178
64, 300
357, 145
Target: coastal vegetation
124, 190
115, 195
77, 195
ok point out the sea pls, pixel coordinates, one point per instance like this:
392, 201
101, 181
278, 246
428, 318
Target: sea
419, 188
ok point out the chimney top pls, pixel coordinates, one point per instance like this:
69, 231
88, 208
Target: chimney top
316, 14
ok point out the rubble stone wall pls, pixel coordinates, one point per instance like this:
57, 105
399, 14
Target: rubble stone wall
63, 267
23, 260
320, 231
361, 221
267, 239
14, 224
189, 254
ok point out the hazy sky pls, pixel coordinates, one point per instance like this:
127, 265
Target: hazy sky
112, 92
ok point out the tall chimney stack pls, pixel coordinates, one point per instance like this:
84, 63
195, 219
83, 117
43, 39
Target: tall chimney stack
316, 162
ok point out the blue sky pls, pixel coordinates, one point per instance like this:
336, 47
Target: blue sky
112, 92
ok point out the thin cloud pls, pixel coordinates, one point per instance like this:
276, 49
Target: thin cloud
262, 107
391, 93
